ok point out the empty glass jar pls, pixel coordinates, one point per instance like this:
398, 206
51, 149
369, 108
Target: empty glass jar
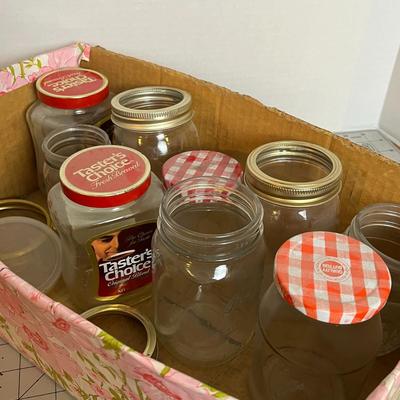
319, 327
155, 120
378, 226
59, 145
298, 184
207, 268
66, 97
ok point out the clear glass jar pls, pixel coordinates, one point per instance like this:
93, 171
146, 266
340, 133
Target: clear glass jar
59, 145
378, 226
298, 184
319, 329
155, 120
207, 269
67, 97
105, 210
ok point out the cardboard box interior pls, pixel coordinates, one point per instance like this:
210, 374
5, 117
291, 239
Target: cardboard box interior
229, 122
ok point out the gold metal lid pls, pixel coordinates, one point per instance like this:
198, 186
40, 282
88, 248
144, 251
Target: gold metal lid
24, 208
151, 108
122, 309
277, 172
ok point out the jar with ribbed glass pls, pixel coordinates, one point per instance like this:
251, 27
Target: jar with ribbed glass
207, 269
298, 184
59, 145
378, 226
155, 120
67, 97
319, 326
105, 209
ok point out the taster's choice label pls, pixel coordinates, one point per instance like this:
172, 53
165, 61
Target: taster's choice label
123, 259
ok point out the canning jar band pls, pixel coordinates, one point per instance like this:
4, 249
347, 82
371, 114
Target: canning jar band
122, 309
293, 192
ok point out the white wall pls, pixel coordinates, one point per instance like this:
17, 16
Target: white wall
390, 118
326, 61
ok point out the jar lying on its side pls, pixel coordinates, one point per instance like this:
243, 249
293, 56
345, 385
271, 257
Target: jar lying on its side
67, 97
319, 326
378, 226
59, 145
298, 184
207, 268
155, 120
105, 210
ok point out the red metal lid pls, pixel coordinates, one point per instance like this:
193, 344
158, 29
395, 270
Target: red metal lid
195, 163
105, 176
331, 277
72, 88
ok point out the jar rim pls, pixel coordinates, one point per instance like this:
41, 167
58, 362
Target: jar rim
55, 137
357, 221
294, 193
151, 108
226, 186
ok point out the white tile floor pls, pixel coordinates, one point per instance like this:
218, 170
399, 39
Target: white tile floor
20, 380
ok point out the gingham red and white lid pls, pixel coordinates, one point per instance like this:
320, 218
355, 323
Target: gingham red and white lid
105, 176
331, 277
196, 163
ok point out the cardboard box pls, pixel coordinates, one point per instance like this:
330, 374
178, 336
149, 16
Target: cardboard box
228, 122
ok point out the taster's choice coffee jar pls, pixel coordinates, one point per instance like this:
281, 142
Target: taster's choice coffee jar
298, 184
319, 327
67, 97
378, 226
155, 120
105, 210
208, 263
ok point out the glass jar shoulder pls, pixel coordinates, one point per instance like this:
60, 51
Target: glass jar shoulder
71, 216
52, 118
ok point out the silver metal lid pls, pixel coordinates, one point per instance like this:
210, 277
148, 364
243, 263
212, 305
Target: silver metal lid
151, 108
122, 309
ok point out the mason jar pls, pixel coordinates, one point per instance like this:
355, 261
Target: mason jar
155, 120
105, 209
378, 226
67, 97
59, 145
319, 327
207, 269
298, 184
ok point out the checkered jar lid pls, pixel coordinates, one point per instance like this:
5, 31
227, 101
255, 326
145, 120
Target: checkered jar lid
331, 277
196, 163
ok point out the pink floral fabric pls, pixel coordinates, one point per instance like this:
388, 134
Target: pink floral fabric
389, 388
86, 361
27, 71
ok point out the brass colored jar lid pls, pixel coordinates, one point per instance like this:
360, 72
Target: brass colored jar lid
151, 108
293, 173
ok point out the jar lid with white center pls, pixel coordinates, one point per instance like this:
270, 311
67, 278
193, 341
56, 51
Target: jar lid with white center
331, 277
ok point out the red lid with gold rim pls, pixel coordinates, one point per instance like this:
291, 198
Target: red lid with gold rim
72, 88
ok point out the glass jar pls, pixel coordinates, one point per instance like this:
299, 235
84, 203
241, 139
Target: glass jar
319, 327
67, 97
59, 145
298, 184
378, 226
207, 269
105, 210
155, 120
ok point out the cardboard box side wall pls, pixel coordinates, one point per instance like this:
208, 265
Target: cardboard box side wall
226, 121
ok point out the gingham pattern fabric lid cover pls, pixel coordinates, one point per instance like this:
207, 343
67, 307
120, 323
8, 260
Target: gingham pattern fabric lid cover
331, 277
195, 163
